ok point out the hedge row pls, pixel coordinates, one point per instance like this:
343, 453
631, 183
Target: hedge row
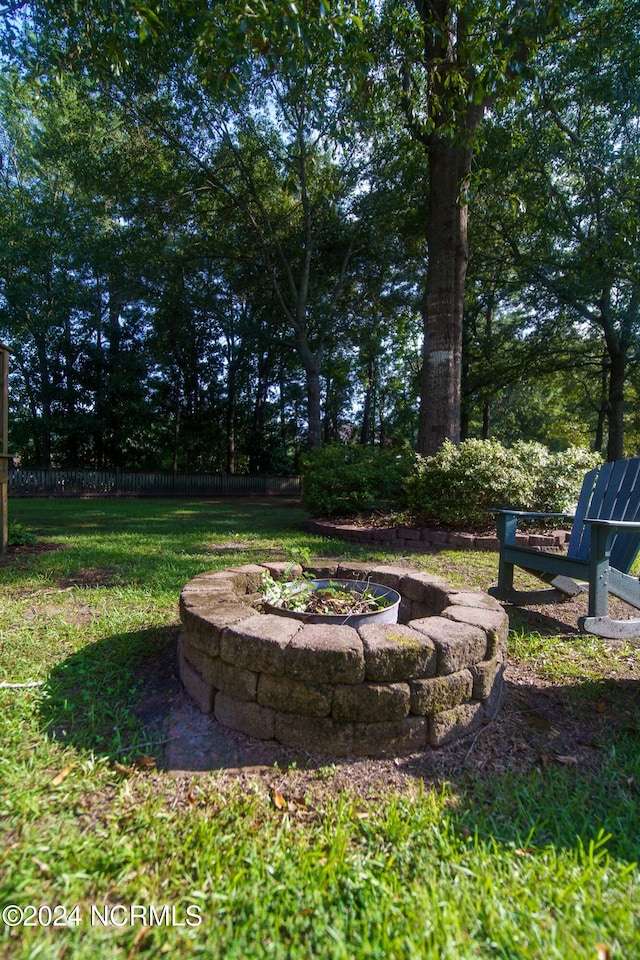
457, 488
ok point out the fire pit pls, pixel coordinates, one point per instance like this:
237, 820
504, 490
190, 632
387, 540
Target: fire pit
373, 689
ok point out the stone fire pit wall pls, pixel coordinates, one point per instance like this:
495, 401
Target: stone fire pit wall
379, 690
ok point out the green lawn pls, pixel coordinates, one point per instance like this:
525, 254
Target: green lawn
504, 860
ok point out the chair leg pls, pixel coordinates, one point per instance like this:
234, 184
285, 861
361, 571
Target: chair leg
507, 536
504, 589
599, 573
505, 575
598, 621
609, 628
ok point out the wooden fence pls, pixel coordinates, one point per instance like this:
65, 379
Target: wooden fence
24, 482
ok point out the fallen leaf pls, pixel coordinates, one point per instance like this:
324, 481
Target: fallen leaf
601, 707
57, 780
144, 762
122, 769
565, 759
44, 868
278, 800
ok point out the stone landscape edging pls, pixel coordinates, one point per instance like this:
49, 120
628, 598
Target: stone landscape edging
379, 690
424, 539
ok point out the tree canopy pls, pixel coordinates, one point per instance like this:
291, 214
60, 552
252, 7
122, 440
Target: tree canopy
231, 232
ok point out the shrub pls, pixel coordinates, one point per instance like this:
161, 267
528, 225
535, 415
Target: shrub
460, 484
18, 536
347, 480
559, 476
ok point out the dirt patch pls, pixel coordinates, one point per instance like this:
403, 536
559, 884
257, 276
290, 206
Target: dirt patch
89, 577
16, 553
561, 619
541, 725
159, 691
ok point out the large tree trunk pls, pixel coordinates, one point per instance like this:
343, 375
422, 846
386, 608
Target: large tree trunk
442, 305
615, 407
44, 427
617, 339
311, 363
314, 406
598, 441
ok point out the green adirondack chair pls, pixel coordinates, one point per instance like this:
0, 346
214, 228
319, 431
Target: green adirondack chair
605, 540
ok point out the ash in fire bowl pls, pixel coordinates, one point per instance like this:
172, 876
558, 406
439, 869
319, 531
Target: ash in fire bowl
373, 689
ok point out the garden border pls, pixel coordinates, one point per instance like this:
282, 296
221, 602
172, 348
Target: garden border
425, 540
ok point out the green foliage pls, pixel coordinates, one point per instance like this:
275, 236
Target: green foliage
558, 475
577, 256
459, 485
289, 594
325, 598
455, 488
289, 124
19, 536
340, 480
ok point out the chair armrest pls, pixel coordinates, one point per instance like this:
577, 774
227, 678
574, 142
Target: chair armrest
614, 524
529, 514
507, 523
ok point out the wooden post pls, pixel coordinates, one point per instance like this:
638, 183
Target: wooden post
4, 444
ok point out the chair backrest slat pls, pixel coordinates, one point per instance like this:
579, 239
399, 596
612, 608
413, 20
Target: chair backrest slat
611, 492
615, 496
580, 533
626, 545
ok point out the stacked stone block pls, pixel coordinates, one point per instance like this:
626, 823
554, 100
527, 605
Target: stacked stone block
381, 689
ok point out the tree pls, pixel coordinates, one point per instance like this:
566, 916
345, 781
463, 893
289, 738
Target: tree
575, 166
74, 266
253, 102
42, 265
455, 59
270, 108
511, 345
